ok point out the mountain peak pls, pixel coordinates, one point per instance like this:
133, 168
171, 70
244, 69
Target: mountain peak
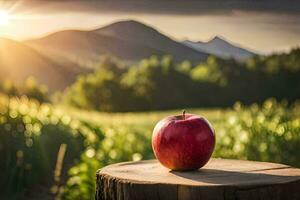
125, 25
219, 46
131, 22
218, 39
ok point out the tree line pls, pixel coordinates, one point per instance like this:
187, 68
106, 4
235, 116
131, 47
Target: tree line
157, 83
31, 88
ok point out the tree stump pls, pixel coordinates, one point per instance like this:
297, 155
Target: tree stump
219, 179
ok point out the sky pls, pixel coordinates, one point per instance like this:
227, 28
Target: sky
263, 26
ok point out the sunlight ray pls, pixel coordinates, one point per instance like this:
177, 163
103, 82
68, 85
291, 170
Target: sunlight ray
4, 17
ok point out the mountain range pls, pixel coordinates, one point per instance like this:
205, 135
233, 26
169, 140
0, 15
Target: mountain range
220, 47
126, 40
56, 59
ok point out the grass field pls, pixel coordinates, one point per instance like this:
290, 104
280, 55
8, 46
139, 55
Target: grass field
33, 134
144, 120
269, 132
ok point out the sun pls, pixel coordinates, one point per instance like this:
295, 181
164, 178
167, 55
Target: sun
4, 17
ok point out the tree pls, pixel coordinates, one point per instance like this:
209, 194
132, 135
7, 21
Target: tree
31, 88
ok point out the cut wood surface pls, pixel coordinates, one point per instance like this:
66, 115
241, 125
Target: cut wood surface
219, 179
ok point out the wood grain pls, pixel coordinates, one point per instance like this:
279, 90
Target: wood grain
219, 179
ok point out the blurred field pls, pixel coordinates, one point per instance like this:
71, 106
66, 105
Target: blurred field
142, 119
60, 149
269, 132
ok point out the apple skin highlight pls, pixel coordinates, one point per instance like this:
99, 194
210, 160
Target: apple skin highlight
183, 142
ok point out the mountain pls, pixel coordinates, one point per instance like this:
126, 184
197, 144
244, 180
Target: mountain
221, 48
127, 40
136, 32
19, 61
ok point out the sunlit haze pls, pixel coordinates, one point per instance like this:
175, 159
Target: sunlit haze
260, 31
4, 17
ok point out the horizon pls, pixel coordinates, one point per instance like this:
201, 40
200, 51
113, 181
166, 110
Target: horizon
208, 39
250, 29
149, 25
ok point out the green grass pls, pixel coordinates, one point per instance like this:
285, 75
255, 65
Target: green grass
270, 132
146, 120
31, 134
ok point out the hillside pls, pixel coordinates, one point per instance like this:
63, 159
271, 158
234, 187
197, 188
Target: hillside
127, 40
19, 61
86, 47
220, 47
133, 31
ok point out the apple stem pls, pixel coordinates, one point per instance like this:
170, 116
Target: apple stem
183, 114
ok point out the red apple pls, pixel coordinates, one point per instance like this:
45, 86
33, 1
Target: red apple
183, 142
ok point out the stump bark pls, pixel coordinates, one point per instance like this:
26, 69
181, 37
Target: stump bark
219, 179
